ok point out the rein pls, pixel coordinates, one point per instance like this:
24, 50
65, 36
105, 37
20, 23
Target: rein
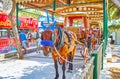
64, 58
54, 47
60, 35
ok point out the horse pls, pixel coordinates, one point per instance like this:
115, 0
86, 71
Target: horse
62, 45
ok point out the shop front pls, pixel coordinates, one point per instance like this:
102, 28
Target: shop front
7, 40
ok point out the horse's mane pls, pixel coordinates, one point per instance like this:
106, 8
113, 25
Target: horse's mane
69, 35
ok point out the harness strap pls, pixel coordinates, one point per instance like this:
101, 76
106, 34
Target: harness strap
60, 33
69, 37
66, 60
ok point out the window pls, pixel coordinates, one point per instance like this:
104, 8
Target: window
11, 33
3, 33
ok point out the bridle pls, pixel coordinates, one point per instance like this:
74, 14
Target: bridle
53, 37
51, 42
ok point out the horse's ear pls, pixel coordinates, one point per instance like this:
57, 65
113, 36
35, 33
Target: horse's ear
43, 26
53, 26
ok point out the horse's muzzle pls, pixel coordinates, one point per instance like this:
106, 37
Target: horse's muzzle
46, 50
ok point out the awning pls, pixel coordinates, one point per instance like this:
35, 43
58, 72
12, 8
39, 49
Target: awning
4, 21
94, 8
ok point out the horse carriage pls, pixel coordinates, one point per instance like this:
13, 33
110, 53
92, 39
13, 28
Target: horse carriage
78, 23
61, 43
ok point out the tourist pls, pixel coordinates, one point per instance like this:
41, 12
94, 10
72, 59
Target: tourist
29, 38
89, 36
37, 41
23, 40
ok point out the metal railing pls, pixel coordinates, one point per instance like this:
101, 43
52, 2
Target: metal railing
88, 71
99, 51
93, 68
98, 54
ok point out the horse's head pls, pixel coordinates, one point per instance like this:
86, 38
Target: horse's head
47, 37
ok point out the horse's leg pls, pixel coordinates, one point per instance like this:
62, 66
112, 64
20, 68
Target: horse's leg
56, 69
63, 69
55, 58
70, 68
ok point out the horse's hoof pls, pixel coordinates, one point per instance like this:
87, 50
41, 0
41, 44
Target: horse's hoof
63, 77
70, 71
56, 78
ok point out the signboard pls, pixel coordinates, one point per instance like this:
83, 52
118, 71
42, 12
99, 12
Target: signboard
7, 45
4, 45
44, 19
24, 23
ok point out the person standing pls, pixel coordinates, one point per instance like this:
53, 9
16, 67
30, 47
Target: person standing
37, 41
93, 42
89, 37
23, 40
29, 38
